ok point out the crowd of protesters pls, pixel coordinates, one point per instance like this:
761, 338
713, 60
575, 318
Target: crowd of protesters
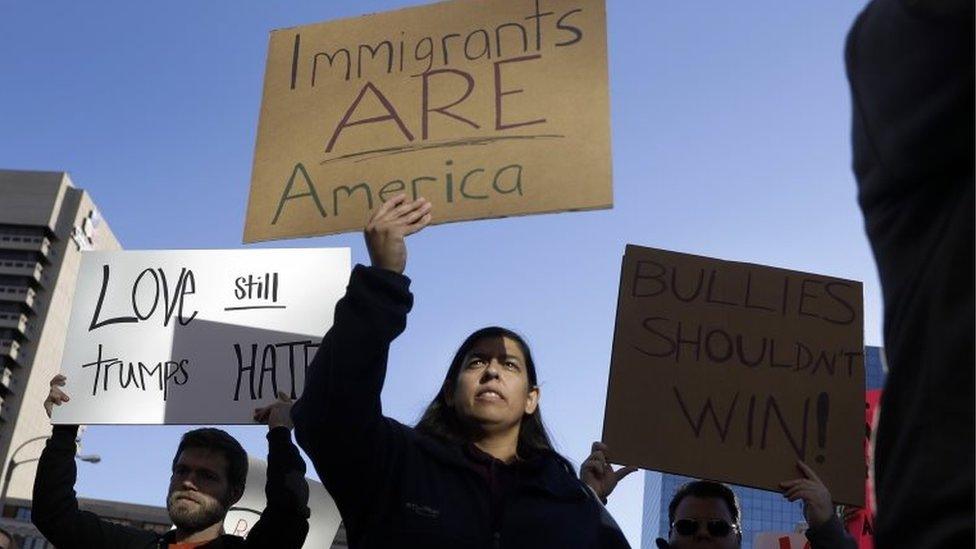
479, 469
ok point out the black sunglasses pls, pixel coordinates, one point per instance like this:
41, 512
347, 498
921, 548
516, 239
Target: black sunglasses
717, 528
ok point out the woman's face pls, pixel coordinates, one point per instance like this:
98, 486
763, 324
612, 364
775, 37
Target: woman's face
492, 388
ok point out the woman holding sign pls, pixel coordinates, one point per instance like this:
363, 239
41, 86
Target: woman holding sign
478, 470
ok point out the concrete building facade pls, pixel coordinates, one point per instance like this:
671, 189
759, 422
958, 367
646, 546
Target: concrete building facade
45, 225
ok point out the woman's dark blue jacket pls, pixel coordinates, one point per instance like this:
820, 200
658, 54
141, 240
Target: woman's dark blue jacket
396, 487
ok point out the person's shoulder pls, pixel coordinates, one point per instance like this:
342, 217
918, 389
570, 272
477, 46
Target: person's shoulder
413, 439
430, 444
558, 463
400, 428
556, 475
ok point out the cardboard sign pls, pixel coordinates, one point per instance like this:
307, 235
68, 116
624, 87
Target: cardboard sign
488, 108
780, 540
323, 523
733, 372
195, 336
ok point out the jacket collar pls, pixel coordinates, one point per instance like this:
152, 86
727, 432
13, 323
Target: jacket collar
547, 472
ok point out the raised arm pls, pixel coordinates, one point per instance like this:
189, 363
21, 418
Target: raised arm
284, 521
338, 419
826, 530
54, 509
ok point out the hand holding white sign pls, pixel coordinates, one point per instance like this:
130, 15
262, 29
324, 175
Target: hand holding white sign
56, 396
276, 414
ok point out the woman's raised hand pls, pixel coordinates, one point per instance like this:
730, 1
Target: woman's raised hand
389, 224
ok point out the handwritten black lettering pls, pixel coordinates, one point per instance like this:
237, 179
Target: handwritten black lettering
707, 409
95, 323
723, 416
257, 380
155, 282
509, 180
113, 373
690, 342
311, 67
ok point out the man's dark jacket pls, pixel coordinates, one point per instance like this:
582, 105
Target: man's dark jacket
283, 523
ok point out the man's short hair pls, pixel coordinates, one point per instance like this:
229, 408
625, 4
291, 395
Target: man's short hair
216, 440
705, 489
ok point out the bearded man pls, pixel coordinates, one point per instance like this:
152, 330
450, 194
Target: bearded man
208, 476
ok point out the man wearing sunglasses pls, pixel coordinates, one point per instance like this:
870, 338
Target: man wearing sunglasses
704, 513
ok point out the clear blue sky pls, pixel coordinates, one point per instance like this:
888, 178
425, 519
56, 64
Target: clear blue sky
730, 139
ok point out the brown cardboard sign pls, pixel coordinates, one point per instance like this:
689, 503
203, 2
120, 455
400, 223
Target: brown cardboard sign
734, 371
487, 108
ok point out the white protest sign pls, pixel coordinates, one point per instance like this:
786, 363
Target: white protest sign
780, 540
195, 336
322, 524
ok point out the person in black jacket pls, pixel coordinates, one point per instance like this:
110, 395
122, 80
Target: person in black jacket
478, 470
209, 471
911, 70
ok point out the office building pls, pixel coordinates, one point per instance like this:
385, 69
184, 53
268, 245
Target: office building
45, 224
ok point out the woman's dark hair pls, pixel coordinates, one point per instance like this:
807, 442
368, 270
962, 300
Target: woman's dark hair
705, 489
441, 422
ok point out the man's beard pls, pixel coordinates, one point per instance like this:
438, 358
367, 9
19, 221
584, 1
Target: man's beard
194, 516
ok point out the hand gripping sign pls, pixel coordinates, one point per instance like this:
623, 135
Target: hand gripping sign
734, 371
